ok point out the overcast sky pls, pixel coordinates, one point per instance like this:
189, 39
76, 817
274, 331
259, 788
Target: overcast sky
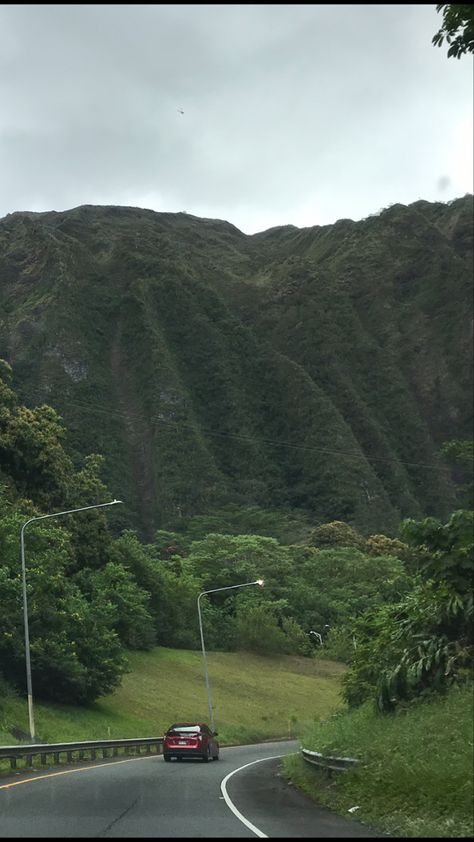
299, 114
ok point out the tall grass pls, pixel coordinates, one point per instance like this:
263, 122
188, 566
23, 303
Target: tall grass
416, 771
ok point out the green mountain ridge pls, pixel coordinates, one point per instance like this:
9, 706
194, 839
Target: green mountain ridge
317, 369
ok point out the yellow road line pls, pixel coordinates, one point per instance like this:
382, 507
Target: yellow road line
69, 771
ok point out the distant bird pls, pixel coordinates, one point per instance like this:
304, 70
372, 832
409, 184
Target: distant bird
180, 110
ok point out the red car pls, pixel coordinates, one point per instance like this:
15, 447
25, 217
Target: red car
190, 739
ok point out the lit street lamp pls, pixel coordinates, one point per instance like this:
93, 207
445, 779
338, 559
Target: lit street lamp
258, 582
25, 604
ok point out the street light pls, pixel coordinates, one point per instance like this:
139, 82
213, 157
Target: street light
25, 604
260, 583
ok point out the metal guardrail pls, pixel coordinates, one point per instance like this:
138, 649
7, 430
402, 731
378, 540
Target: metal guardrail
14, 753
329, 763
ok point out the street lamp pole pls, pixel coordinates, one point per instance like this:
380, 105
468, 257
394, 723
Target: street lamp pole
259, 582
25, 602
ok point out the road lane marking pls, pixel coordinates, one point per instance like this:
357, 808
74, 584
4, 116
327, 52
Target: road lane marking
232, 806
70, 771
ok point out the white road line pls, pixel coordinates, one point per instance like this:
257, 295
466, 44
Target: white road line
232, 806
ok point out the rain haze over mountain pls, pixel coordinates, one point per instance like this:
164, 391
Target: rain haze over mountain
261, 115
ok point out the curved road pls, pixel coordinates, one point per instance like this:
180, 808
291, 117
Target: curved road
241, 795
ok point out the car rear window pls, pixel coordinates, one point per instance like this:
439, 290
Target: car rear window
185, 729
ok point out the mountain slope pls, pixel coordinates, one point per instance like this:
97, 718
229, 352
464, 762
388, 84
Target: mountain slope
318, 368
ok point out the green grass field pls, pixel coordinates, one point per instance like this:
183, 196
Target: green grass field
254, 698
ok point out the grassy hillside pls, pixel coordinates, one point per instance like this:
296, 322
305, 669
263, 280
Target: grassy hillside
416, 768
254, 698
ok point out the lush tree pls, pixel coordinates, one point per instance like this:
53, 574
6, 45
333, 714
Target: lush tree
128, 551
171, 586
116, 586
168, 543
444, 551
379, 545
335, 534
81, 605
339, 643
424, 643
457, 28
75, 653
375, 653
32, 452
85, 661
36, 467
89, 530
258, 630
332, 586
218, 620
176, 607
223, 560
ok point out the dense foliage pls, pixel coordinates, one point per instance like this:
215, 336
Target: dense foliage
457, 28
424, 642
93, 594
317, 371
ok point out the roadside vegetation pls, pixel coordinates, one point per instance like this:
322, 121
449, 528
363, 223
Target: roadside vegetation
416, 766
409, 693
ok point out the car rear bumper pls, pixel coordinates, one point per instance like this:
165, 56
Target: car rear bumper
183, 752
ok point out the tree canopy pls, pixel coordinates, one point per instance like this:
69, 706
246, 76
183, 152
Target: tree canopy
457, 28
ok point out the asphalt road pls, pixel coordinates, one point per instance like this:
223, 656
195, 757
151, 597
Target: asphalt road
241, 795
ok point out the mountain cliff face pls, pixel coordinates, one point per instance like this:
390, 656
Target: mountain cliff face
317, 368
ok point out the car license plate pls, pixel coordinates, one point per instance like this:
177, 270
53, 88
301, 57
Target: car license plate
181, 742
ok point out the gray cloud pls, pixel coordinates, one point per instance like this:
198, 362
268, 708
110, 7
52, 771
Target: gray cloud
300, 114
